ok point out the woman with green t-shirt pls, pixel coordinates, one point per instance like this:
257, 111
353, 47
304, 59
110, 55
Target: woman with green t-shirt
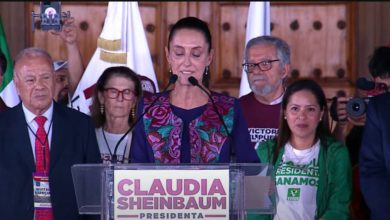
312, 169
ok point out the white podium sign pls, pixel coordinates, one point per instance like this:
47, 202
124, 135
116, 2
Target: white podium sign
171, 194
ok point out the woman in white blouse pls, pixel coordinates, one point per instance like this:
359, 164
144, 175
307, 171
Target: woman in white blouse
115, 98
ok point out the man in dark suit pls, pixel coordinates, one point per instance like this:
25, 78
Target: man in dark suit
374, 157
68, 134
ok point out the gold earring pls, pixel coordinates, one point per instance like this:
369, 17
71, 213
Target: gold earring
102, 109
170, 69
132, 114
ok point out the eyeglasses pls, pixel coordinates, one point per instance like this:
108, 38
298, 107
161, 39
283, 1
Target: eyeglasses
113, 93
263, 66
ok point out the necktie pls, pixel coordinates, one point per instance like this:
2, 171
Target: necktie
42, 156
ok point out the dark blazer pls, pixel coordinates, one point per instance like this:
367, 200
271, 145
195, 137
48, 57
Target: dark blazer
3, 106
73, 142
374, 158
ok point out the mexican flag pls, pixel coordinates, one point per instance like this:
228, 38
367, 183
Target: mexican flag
7, 89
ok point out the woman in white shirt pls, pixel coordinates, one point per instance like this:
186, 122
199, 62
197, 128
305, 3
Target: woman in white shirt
115, 98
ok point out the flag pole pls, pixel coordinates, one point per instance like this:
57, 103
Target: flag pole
258, 24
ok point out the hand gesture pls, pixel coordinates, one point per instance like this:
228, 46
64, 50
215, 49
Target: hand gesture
341, 109
68, 32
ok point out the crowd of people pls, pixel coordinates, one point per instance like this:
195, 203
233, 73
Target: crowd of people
286, 125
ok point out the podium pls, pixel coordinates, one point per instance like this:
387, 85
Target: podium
190, 191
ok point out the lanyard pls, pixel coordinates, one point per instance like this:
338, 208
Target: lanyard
114, 158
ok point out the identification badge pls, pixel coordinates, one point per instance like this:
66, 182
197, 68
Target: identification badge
41, 190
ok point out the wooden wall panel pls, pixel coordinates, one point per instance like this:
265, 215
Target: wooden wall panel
336, 50
205, 12
319, 36
193, 9
229, 41
150, 15
324, 48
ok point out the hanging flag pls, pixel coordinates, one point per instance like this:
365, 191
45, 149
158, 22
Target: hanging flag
121, 42
258, 24
7, 89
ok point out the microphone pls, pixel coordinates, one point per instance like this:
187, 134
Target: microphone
195, 82
172, 80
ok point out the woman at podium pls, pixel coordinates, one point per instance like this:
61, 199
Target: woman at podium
312, 169
190, 124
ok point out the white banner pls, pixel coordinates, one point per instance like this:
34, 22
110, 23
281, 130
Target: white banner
122, 42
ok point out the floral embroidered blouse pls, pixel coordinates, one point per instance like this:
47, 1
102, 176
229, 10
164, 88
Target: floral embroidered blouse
172, 135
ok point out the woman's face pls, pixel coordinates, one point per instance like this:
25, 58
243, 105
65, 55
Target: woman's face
303, 114
188, 55
118, 97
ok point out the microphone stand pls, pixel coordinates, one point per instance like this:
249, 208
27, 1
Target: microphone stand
172, 80
195, 82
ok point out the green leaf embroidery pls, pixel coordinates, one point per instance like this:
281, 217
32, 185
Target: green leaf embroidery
165, 130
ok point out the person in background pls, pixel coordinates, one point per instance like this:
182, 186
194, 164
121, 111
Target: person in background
267, 64
183, 125
3, 68
42, 140
350, 129
374, 155
61, 86
68, 73
116, 95
379, 68
312, 169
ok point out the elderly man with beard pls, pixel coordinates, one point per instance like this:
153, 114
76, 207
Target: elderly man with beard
267, 64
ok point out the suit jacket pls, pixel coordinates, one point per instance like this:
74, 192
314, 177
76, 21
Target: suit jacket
73, 142
374, 158
3, 106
